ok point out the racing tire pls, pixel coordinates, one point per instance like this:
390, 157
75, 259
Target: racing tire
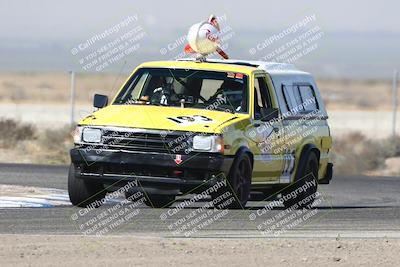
83, 193
237, 189
307, 177
159, 201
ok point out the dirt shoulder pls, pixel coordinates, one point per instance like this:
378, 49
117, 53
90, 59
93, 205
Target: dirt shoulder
46, 250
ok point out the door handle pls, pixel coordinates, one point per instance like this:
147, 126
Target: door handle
276, 131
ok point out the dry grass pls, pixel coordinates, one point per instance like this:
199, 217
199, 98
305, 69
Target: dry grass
26, 144
55, 87
11, 132
356, 94
355, 154
54, 145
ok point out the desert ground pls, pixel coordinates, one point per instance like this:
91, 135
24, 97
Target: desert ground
52, 250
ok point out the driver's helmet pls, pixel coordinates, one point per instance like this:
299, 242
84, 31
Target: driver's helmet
233, 91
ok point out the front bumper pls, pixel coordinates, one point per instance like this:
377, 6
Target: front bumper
154, 171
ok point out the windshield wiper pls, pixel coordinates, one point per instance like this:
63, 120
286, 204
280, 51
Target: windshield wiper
219, 108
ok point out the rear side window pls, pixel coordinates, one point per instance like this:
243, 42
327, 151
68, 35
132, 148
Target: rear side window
292, 98
286, 96
299, 98
308, 96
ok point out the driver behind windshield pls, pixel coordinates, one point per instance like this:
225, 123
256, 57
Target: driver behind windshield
232, 95
202, 89
160, 91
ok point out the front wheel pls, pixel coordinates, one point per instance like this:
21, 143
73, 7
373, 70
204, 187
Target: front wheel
236, 193
159, 201
83, 193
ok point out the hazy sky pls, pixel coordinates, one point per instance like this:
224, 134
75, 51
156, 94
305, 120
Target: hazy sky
76, 19
361, 38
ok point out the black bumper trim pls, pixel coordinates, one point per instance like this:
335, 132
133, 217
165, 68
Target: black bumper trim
206, 161
214, 164
328, 174
144, 179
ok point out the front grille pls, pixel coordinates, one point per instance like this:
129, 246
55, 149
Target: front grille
146, 140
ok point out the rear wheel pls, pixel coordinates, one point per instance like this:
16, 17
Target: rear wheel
302, 193
83, 193
236, 193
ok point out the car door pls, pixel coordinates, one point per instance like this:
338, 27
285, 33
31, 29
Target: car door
265, 134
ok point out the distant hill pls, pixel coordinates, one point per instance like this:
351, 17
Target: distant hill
337, 55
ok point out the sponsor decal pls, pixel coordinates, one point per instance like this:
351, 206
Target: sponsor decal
230, 75
178, 159
239, 75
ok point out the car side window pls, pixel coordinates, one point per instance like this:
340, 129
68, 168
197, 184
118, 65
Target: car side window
298, 98
258, 101
308, 95
265, 92
290, 98
262, 98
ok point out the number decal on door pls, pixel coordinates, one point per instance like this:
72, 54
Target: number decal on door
288, 167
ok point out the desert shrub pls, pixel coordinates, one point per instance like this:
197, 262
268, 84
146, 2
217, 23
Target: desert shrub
55, 145
12, 131
390, 147
356, 154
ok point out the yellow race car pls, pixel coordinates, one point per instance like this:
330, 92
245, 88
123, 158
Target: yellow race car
215, 126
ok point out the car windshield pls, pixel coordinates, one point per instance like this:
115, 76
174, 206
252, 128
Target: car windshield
223, 91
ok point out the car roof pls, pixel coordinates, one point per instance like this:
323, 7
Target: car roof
234, 65
269, 67
192, 64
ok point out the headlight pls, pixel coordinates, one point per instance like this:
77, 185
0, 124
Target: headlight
208, 143
91, 135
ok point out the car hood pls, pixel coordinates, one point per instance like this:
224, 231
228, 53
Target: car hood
162, 118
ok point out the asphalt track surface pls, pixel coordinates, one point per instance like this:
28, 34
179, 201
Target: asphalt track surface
351, 206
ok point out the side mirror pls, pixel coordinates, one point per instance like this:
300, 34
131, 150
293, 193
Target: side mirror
268, 114
100, 101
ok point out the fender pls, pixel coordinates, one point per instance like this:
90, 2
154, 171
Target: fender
240, 151
243, 150
305, 152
